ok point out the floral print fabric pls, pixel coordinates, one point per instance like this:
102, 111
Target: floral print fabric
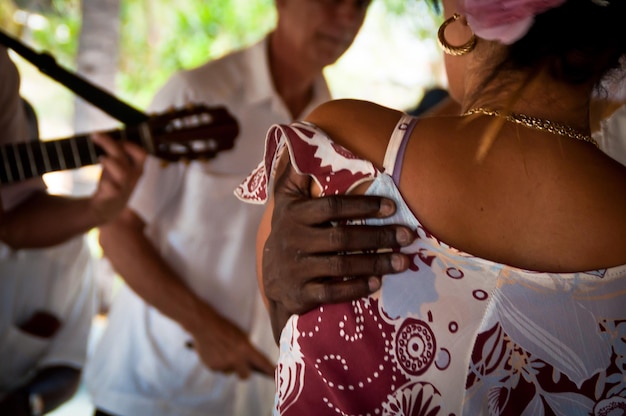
453, 335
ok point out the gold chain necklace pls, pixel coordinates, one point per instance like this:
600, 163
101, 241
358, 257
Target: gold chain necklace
536, 123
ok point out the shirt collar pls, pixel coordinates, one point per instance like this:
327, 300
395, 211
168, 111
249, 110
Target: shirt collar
259, 80
258, 76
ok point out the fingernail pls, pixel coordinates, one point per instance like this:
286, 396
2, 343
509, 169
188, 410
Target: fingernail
404, 236
387, 207
397, 262
373, 283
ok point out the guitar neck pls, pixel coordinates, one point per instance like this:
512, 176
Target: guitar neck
25, 160
193, 132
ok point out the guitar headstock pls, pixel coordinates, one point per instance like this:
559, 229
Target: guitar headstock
193, 132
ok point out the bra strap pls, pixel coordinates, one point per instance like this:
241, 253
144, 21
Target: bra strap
397, 146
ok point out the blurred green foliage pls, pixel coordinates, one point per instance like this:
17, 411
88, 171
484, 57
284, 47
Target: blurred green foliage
158, 40
424, 14
51, 25
158, 37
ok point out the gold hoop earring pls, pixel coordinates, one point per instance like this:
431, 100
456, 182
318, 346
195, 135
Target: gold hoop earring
454, 50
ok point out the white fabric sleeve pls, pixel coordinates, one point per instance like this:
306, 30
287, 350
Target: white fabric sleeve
613, 138
158, 183
176, 92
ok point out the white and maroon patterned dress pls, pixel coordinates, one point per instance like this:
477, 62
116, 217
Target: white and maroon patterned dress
453, 335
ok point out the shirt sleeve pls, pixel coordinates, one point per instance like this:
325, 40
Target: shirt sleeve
160, 182
613, 138
180, 90
334, 168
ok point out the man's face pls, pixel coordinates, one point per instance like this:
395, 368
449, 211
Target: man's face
321, 30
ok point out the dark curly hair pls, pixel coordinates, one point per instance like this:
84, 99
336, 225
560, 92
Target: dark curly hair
578, 42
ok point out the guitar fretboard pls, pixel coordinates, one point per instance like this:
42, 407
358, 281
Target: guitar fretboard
189, 133
20, 161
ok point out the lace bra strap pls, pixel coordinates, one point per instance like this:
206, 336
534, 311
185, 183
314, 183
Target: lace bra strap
397, 146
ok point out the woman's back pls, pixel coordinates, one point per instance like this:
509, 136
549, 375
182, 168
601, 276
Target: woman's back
536, 200
456, 333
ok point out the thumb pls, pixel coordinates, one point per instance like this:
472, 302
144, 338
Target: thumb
289, 182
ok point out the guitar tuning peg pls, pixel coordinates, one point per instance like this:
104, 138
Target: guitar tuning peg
190, 106
164, 163
185, 161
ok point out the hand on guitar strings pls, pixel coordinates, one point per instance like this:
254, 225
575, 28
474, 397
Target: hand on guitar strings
122, 166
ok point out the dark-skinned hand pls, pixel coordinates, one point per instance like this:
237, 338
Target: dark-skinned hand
305, 262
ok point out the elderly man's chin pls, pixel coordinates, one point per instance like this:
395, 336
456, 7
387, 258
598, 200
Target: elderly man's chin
330, 52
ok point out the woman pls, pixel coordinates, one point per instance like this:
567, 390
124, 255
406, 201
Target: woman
514, 300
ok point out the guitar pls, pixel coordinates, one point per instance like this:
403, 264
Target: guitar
194, 132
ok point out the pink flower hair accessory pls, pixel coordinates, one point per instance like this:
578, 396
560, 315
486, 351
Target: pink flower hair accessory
505, 21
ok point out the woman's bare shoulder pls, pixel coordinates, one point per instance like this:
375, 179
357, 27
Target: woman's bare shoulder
349, 110
363, 127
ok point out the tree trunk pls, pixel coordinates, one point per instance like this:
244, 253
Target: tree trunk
96, 61
97, 58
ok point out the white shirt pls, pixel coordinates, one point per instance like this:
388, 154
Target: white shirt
141, 366
56, 280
